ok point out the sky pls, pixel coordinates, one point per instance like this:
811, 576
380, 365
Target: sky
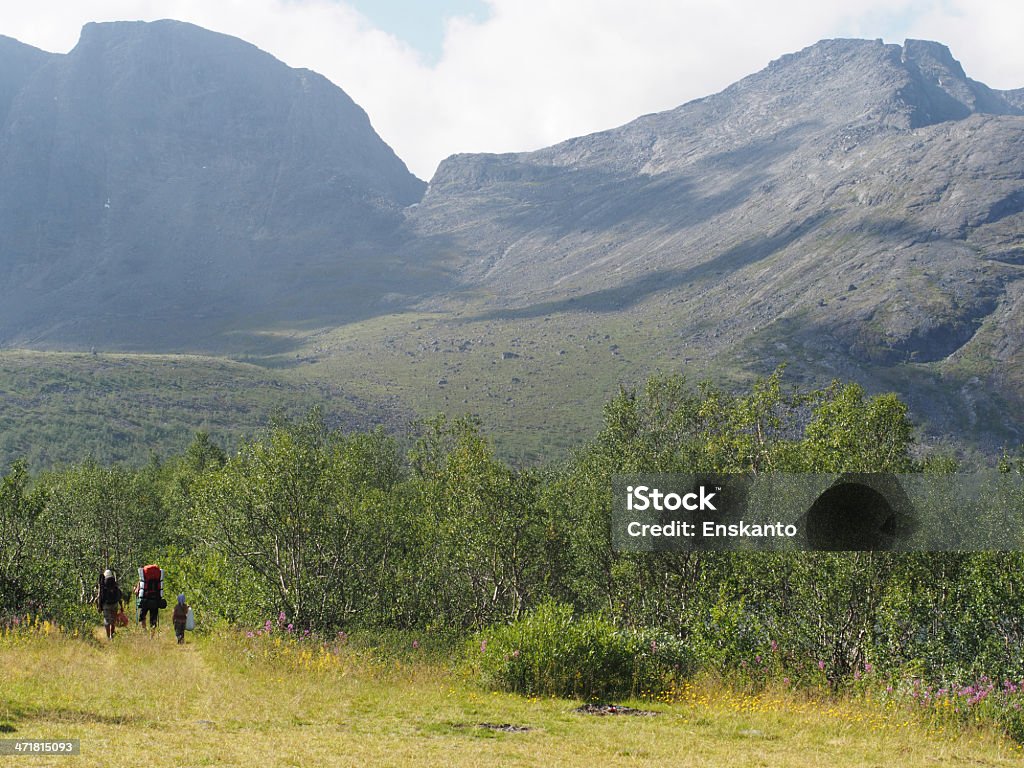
439, 77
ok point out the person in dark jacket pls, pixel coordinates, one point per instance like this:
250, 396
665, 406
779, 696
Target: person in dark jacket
109, 602
179, 617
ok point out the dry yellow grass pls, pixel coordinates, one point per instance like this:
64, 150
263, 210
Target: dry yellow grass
231, 701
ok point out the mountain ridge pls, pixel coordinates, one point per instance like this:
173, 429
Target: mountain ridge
853, 210
159, 174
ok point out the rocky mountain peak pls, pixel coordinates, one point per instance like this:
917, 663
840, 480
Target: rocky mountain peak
830, 93
163, 170
931, 56
939, 90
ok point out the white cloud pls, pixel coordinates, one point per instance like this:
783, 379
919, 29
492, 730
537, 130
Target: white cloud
536, 71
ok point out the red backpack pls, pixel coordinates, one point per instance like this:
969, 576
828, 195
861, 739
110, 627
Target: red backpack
151, 582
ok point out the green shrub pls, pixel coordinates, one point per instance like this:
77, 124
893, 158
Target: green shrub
552, 652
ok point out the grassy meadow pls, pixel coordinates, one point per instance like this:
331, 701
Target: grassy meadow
231, 700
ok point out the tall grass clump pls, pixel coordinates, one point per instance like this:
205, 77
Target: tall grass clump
552, 652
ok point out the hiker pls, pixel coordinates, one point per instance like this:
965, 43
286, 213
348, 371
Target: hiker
179, 618
149, 593
109, 602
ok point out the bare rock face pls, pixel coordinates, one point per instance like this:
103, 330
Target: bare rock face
160, 177
17, 64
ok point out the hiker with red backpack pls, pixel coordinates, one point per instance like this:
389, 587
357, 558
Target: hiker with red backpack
149, 593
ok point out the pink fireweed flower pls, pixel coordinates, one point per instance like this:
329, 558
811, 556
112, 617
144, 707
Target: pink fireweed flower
483, 646
415, 645
291, 627
821, 665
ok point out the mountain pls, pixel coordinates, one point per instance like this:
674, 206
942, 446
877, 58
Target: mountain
162, 185
854, 209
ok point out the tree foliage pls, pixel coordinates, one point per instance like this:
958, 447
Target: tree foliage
343, 530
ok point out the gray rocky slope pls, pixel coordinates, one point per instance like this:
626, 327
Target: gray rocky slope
161, 183
856, 206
